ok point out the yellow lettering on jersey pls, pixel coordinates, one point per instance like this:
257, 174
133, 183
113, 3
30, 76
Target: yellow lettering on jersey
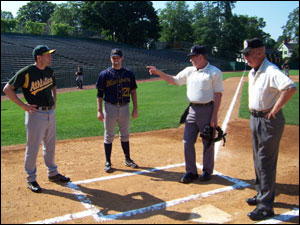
26, 83
40, 85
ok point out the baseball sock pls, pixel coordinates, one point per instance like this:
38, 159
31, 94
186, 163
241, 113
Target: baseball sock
125, 147
107, 148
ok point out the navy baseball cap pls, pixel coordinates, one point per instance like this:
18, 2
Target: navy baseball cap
116, 52
250, 44
42, 49
197, 50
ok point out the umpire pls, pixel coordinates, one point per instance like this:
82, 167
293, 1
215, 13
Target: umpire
115, 85
39, 88
204, 92
269, 91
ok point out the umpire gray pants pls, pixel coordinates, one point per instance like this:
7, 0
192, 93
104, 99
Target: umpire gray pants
266, 135
197, 118
40, 127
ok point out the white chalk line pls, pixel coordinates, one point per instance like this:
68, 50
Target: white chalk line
128, 174
98, 216
282, 217
228, 114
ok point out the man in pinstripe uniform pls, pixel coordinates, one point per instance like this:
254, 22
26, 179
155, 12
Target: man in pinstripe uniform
115, 85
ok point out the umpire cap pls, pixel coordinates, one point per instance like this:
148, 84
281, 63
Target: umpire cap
197, 50
250, 44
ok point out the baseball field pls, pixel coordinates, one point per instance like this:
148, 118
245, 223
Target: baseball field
151, 193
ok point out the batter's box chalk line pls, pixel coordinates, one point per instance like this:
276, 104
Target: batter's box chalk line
93, 211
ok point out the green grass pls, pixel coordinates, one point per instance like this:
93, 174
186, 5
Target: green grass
290, 110
160, 106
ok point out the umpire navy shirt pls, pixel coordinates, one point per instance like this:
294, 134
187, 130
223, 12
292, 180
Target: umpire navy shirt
116, 85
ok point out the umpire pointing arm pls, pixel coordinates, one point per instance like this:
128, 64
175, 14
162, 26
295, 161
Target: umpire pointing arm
204, 93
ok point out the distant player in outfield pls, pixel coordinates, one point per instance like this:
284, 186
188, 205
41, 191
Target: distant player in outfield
115, 85
79, 77
39, 88
204, 92
269, 91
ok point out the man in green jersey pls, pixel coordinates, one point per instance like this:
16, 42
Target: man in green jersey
39, 88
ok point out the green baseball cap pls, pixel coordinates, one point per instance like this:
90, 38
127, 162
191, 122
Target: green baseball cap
42, 49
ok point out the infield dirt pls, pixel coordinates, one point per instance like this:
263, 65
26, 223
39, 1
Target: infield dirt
83, 159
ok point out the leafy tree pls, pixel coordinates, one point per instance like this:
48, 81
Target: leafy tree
68, 13
35, 11
291, 32
8, 25
35, 27
131, 22
291, 29
61, 29
6, 15
176, 23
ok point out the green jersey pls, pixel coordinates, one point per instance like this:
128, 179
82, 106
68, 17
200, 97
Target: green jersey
36, 84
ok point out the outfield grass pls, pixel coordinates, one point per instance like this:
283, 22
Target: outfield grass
160, 106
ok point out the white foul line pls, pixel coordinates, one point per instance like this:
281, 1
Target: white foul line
228, 114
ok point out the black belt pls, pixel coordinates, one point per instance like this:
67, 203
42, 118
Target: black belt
118, 104
258, 113
200, 104
44, 108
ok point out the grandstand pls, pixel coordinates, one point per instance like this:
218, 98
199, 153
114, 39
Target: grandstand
92, 54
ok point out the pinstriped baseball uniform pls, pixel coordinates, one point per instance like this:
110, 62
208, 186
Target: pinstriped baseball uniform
115, 86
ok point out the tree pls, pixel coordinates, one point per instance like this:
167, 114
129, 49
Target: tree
291, 29
68, 13
61, 29
130, 22
35, 11
8, 25
35, 27
6, 15
176, 23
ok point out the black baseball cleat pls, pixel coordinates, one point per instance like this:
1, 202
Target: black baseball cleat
34, 186
107, 167
59, 178
260, 214
130, 163
251, 201
188, 178
205, 176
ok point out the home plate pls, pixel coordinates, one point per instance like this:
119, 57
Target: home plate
209, 214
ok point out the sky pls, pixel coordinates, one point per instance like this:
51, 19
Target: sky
274, 13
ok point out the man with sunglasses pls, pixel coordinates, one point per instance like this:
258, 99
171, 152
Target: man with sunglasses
269, 91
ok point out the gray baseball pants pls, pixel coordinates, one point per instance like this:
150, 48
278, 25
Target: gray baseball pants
40, 126
266, 135
197, 118
116, 114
